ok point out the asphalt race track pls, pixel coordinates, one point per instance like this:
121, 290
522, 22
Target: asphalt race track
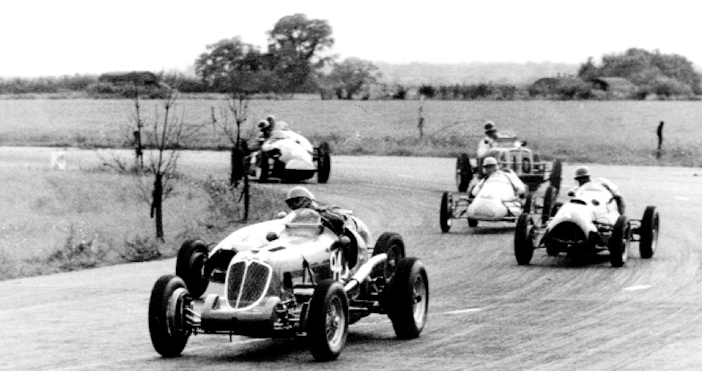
486, 312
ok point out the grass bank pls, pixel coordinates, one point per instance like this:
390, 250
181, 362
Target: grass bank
55, 221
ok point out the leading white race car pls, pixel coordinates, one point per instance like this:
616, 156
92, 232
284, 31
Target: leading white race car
588, 223
289, 277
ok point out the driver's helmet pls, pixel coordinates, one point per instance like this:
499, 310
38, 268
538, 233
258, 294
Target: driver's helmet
489, 161
581, 172
490, 127
270, 119
264, 125
299, 197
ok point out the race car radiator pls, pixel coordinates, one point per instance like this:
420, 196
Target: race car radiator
247, 283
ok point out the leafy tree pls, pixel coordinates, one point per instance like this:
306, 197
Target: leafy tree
646, 69
352, 75
296, 44
231, 65
588, 71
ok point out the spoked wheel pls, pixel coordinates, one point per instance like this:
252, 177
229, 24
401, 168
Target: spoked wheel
190, 266
523, 239
649, 232
619, 242
409, 298
392, 244
464, 172
327, 321
323, 163
168, 307
446, 212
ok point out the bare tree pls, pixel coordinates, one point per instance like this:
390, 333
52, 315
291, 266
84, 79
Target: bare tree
163, 137
237, 104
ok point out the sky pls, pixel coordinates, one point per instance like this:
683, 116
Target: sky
67, 37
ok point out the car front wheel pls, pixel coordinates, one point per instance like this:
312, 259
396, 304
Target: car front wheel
327, 321
168, 307
619, 242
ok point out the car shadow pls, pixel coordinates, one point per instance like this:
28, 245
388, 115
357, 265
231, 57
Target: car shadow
569, 261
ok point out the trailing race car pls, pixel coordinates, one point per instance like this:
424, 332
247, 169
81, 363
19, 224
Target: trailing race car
289, 277
289, 156
513, 154
588, 223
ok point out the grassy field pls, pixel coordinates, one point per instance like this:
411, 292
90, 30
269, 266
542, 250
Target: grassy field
598, 132
87, 216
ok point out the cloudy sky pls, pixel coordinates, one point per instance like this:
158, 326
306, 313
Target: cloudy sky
52, 38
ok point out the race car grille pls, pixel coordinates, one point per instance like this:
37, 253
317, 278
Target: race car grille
566, 234
247, 283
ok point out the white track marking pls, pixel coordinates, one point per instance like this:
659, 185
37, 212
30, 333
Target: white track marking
636, 288
405, 176
682, 198
469, 310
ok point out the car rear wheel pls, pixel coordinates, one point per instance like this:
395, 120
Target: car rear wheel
446, 212
472, 223
168, 307
264, 167
549, 199
556, 174
619, 242
409, 298
464, 172
523, 239
327, 320
190, 266
649, 232
323, 163
392, 244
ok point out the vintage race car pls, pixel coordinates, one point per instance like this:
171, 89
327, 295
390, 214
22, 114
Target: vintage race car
289, 156
588, 223
289, 277
513, 154
496, 201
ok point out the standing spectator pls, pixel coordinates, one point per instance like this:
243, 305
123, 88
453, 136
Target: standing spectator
660, 139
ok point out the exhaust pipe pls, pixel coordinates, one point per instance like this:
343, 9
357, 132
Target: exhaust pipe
364, 272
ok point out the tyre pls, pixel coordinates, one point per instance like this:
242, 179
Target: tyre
409, 298
556, 174
167, 309
649, 232
392, 244
619, 242
549, 200
323, 163
472, 223
464, 172
327, 320
528, 203
523, 239
264, 167
190, 266
446, 212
